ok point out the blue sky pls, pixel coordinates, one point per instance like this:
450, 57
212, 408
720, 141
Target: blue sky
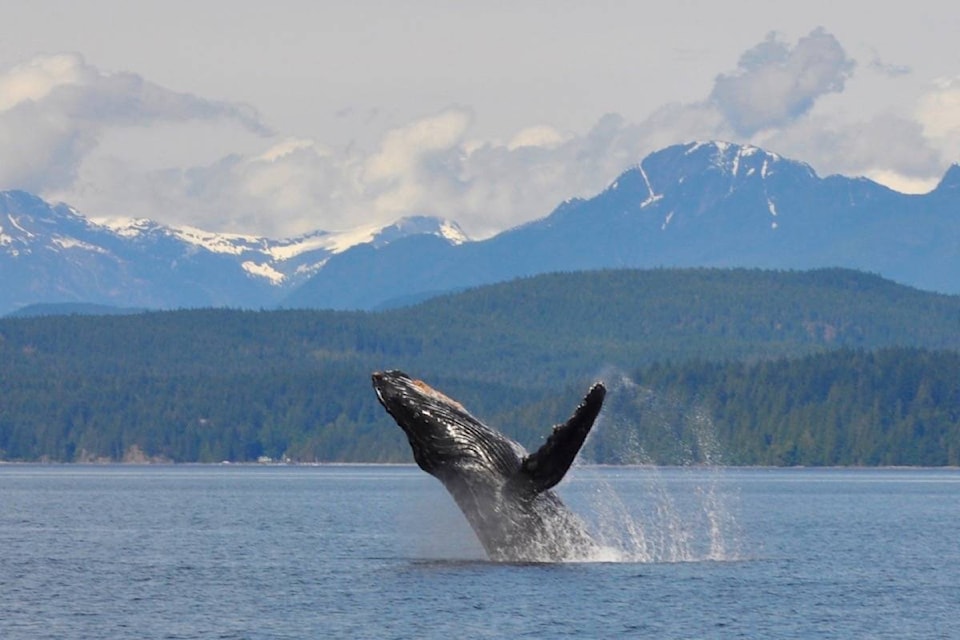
291, 116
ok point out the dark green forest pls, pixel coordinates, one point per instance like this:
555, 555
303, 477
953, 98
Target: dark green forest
895, 406
823, 367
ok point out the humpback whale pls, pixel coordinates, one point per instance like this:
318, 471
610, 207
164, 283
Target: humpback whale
504, 492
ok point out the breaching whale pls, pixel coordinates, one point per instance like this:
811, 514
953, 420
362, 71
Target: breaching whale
503, 492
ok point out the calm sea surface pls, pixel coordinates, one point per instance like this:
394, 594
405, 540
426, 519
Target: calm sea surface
382, 552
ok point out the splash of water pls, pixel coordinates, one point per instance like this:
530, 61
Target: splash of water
646, 513
635, 511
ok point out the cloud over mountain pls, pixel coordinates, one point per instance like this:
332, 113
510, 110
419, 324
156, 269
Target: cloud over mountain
54, 111
939, 114
775, 83
55, 108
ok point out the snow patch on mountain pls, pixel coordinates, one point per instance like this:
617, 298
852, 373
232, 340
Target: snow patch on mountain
666, 221
16, 225
730, 158
227, 243
290, 248
65, 242
451, 231
126, 227
263, 270
653, 196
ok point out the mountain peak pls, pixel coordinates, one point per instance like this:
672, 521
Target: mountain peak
27, 221
728, 161
421, 225
726, 151
130, 227
15, 199
951, 179
739, 160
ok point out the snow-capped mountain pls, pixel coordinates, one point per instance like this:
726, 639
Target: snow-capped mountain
52, 253
289, 261
697, 204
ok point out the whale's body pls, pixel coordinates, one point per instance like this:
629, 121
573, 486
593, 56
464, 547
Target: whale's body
503, 492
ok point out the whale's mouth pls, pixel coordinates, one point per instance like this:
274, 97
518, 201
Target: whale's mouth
393, 386
398, 392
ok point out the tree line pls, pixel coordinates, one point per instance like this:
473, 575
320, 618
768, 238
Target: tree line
822, 367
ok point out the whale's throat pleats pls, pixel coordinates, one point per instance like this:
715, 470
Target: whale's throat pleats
452, 436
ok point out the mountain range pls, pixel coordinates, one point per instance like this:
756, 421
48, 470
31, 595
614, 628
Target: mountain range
698, 204
51, 254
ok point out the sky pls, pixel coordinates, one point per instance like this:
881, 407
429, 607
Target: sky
291, 116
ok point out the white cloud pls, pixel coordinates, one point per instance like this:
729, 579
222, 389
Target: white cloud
536, 136
425, 167
775, 84
285, 148
404, 149
886, 145
901, 183
417, 166
54, 110
889, 69
36, 78
938, 112
433, 165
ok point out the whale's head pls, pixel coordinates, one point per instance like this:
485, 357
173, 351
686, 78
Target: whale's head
444, 437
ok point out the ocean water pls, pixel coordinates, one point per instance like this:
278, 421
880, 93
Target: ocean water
382, 552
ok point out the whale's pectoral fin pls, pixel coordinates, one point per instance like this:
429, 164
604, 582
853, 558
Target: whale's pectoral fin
545, 467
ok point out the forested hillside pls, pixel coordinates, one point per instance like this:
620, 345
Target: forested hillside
897, 406
211, 385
